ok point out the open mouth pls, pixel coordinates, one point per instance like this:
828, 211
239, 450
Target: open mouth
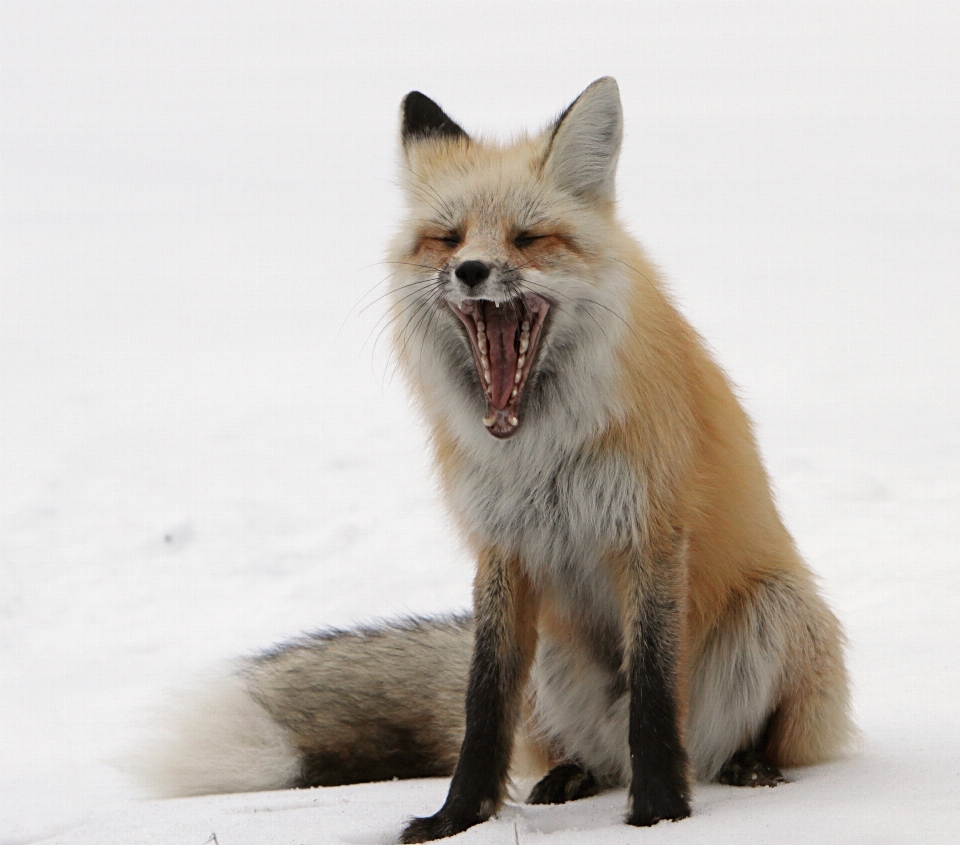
504, 337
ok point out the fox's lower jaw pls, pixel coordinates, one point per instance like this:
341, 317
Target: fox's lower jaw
504, 338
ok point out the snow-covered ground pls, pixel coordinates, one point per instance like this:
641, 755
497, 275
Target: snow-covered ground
203, 448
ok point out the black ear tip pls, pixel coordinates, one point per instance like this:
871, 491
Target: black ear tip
415, 100
423, 118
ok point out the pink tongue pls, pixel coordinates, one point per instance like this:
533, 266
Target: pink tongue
501, 324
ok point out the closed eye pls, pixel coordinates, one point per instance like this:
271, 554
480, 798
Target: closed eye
523, 240
452, 240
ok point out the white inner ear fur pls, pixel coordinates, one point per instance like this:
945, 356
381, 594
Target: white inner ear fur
582, 158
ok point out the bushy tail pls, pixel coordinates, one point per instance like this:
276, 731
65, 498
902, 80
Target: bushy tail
337, 707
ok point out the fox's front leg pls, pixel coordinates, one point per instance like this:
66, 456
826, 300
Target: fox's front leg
505, 639
659, 787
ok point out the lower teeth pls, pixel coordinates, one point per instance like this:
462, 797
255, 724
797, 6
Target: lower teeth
512, 421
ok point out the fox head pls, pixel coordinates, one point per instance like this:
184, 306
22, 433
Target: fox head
508, 284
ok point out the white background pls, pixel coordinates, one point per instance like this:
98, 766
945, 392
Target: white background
203, 449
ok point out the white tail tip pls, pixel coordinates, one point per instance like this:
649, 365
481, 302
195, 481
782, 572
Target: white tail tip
214, 738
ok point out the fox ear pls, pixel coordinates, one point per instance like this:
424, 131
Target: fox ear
585, 142
421, 118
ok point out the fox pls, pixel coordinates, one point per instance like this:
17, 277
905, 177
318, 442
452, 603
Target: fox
641, 615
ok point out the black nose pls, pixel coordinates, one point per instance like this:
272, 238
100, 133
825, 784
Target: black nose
472, 272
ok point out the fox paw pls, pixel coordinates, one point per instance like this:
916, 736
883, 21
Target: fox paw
747, 768
428, 828
647, 810
567, 782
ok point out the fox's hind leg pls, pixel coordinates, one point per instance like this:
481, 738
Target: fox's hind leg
812, 723
769, 689
566, 782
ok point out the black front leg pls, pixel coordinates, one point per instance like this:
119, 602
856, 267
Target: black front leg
504, 643
659, 786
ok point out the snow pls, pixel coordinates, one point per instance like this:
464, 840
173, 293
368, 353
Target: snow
203, 448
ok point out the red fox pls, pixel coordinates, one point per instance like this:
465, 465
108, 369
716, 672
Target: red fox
641, 616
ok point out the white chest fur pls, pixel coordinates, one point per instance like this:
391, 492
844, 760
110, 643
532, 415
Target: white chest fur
558, 509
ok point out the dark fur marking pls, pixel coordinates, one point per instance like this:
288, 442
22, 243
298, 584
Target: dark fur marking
423, 118
658, 788
391, 751
566, 782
